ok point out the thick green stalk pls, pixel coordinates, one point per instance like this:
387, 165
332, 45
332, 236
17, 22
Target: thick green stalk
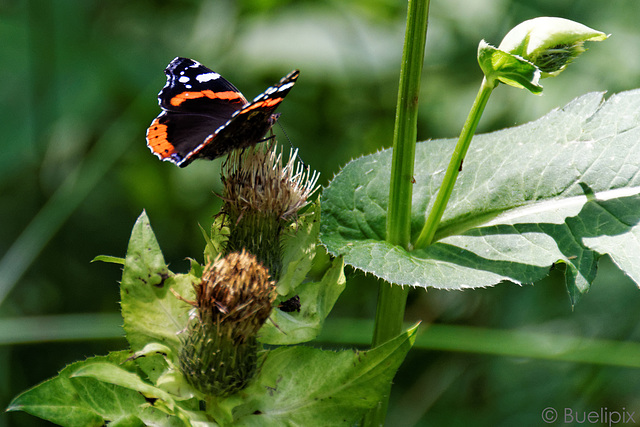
405, 130
455, 165
392, 299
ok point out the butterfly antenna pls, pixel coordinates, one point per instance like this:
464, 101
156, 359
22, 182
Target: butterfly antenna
285, 133
290, 143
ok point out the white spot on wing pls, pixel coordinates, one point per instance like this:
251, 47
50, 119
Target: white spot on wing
184, 79
202, 78
285, 86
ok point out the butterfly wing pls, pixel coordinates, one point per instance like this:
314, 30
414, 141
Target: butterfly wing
196, 101
193, 88
174, 137
249, 125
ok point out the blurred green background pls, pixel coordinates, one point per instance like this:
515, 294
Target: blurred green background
79, 85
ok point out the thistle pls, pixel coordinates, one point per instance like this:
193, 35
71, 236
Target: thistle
219, 353
534, 49
262, 198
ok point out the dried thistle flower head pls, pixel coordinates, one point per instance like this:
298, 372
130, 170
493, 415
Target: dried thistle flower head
219, 348
235, 290
255, 179
262, 196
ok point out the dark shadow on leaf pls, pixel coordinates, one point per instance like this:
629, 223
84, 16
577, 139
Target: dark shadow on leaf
518, 272
597, 218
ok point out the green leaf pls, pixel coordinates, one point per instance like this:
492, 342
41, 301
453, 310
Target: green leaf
215, 241
317, 299
109, 259
509, 69
84, 401
170, 384
299, 249
561, 189
129, 421
151, 312
113, 374
304, 386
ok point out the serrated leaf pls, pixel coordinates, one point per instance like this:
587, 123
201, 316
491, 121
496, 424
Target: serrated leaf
317, 299
564, 188
304, 386
151, 312
83, 401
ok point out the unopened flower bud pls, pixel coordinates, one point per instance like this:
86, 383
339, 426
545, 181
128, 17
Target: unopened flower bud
537, 48
219, 353
549, 43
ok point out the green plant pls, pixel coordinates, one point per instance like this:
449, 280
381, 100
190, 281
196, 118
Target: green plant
508, 234
472, 249
196, 355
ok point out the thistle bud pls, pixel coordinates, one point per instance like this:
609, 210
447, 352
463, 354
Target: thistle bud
219, 353
537, 48
549, 43
262, 197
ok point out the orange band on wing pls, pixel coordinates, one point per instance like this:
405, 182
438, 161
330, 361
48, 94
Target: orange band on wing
266, 103
157, 140
184, 96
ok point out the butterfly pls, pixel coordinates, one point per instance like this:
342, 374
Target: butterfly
205, 116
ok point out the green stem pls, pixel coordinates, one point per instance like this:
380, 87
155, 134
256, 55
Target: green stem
405, 131
392, 299
455, 165
390, 312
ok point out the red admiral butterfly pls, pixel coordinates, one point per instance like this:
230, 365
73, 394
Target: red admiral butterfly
205, 116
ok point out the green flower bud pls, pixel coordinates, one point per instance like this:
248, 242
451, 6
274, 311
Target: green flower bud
537, 48
549, 43
219, 352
